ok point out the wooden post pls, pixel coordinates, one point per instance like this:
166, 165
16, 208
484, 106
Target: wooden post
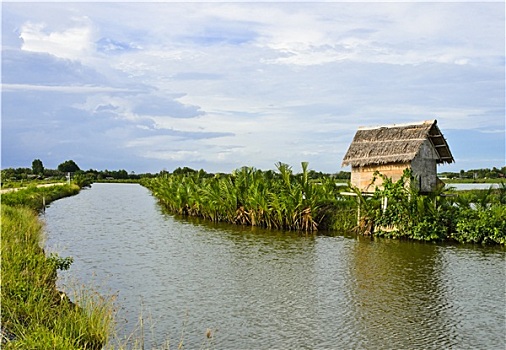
358, 202
384, 203
358, 211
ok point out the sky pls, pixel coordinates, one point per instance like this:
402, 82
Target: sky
150, 86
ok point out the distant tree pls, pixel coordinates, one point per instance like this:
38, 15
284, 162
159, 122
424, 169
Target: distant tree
184, 171
119, 174
133, 175
343, 175
315, 175
22, 173
122, 174
37, 167
68, 166
52, 172
8, 174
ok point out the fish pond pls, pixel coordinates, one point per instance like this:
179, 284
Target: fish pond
232, 287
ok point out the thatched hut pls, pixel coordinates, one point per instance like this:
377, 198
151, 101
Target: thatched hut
393, 148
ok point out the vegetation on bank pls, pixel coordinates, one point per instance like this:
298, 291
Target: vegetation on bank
284, 200
248, 196
35, 197
35, 315
398, 211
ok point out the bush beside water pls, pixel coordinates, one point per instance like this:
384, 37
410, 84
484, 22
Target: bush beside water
253, 197
477, 216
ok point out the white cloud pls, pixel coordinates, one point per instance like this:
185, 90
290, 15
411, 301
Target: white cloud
72, 43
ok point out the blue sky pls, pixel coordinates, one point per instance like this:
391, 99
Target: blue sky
152, 86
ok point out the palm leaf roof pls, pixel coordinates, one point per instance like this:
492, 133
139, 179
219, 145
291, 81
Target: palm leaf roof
398, 143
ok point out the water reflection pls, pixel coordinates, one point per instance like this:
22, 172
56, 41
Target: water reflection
273, 277
399, 295
475, 279
257, 289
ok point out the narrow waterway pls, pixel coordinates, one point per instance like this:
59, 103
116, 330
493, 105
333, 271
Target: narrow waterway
260, 289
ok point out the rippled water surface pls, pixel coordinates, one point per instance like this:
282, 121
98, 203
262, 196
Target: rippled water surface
259, 289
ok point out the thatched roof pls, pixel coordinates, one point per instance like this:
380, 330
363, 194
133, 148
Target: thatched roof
395, 144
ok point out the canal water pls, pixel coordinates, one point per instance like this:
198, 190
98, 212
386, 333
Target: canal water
260, 289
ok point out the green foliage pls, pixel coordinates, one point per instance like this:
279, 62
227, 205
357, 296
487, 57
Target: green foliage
477, 216
289, 201
82, 180
68, 166
481, 225
184, 171
60, 263
249, 196
343, 175
34, 313
478, 174
37, 167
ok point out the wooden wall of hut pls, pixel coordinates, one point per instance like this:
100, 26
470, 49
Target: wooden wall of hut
362, 177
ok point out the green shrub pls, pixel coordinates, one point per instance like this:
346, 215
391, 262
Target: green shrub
428, 229
249, 196
481, 225
477, 216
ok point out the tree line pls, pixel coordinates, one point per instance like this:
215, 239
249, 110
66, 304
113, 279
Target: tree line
69, 166
485, 173
38, 171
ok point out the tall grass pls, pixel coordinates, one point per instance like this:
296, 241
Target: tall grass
34, 312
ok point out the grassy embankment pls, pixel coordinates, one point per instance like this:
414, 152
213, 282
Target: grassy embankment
283, 200
35, 315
